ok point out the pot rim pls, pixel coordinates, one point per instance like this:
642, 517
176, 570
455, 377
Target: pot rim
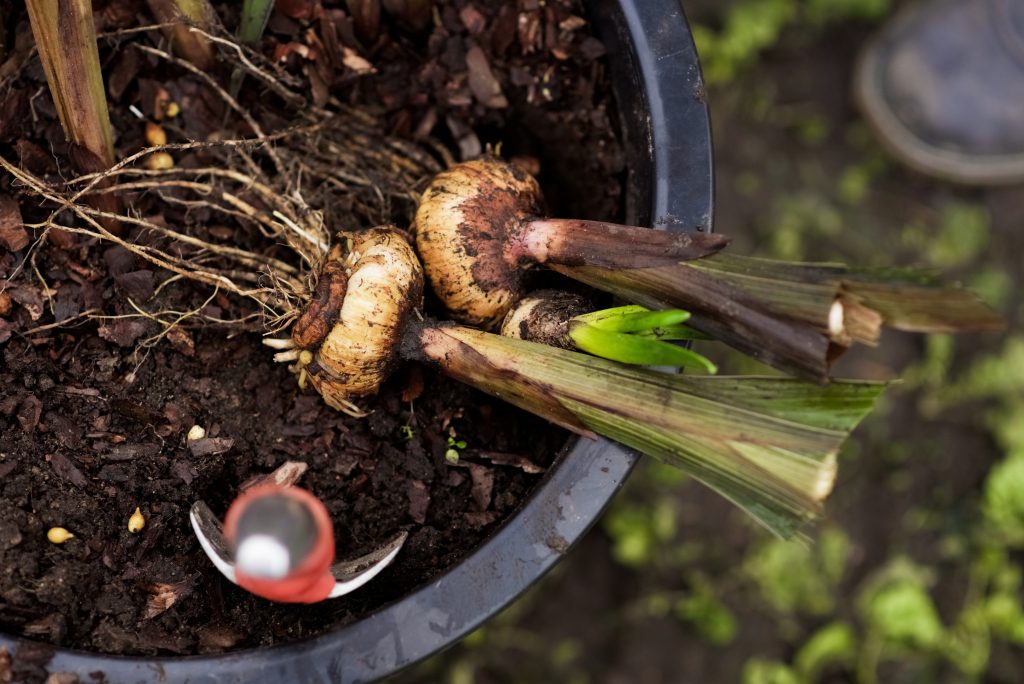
666, 128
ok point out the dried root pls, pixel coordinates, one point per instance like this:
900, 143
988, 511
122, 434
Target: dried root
281, 243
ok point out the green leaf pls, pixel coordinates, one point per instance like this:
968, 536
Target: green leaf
760, 671
709, 616
797, 579
835, 643
636, 350
674, 332
905, 613
897, 607
632, 318
1004, 499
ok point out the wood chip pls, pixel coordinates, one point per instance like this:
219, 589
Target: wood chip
471, 18
29, 413
131, 452
66, 470
486, 88
123, 332
419, 501
182, 340
572, 23
516, 460
184, 471
12, 230
217, 637
481, 519
136, 284
285, 475
356, 63
483, 484
26, 295
210, 446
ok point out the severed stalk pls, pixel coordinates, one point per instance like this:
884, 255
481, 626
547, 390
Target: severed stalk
480, 226
768, 445
179, 16
66, 40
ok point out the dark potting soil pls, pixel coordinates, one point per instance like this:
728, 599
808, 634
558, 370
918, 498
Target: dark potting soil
93, 423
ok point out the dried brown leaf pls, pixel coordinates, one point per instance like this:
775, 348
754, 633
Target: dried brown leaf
164, 595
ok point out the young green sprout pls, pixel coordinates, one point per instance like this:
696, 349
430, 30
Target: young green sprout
627, 334
480, 225
255, 15
769, 445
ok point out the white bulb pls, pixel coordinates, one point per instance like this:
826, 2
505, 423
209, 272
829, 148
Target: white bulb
263, 556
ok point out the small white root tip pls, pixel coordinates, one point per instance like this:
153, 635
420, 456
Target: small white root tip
287, 356
836, 319
278, 342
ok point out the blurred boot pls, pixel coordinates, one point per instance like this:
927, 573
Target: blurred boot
943, 87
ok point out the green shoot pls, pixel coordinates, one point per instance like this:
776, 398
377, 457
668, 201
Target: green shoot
255, 15
451, 455
635, 335
675, 332
633, 318
637, 350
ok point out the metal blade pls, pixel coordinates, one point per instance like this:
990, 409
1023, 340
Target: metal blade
210, 533
354, 573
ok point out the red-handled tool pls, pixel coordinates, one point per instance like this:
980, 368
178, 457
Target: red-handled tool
278, 543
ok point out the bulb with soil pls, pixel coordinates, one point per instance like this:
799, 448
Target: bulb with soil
480, 225
769, 445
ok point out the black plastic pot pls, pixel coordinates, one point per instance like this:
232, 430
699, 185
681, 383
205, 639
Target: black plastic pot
660, 96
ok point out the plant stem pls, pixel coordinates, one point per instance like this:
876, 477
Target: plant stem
181, 15
66, 39
255, 15
767, 444
571, 242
